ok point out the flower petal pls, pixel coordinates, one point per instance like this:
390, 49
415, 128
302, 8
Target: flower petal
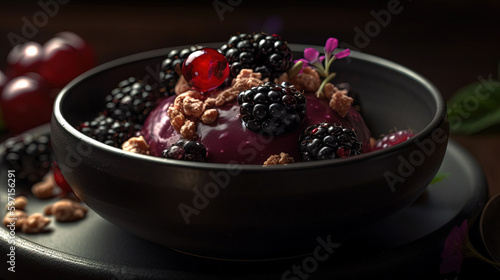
311, 54
331, 44
321, 58
343, 54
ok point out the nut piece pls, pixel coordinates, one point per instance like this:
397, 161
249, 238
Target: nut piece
14, 218
19, 203
281, 159
35, 223
136, 145
340, 102
45, 188
308, 80
188, 130
373, 141
209, 116
66, 210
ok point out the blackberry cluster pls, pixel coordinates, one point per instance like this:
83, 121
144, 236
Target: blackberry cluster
30, 157
171, 68
272, 109
267, 54
131, 101
109, 131
328, 141
186, 150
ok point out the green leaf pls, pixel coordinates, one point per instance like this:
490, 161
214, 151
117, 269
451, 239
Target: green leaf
475, 107
440, 176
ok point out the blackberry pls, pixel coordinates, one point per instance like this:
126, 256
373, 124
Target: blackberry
131, 101
30, 157
327, 141
267, 54
186, 150
171, 68
272, 109
109, 131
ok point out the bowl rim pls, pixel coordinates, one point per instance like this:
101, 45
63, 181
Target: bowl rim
437, 119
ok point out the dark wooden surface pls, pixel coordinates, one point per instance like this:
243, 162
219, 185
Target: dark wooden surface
451, 43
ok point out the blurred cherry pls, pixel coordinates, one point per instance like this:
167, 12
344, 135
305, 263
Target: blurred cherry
83, 47
24, 58
61, 63
25, 103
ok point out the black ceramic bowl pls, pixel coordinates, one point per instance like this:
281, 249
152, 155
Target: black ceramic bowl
248, 211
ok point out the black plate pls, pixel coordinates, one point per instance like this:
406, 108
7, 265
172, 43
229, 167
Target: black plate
405, 245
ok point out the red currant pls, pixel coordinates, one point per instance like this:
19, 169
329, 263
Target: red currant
61, 63
392, 139
25, 103
59, 178
205, 69
25, 58
86, 51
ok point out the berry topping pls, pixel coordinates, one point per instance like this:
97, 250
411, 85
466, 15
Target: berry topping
109, 131
59, 179
263, 53
131, 101
205, 69
186, 150
29, 156
171, 68
328, 141
272, 109
392, 139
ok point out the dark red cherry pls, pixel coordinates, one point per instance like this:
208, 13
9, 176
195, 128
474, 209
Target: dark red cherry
25, 103
61, 63
86, 51
205, 69
25, 58
59, 178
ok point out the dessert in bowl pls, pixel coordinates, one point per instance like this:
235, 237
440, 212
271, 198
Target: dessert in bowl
243, 210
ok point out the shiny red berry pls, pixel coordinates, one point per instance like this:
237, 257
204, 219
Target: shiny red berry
205, 69
25, 58
392, 139
61, 63
86, 51
59, 178
25, 103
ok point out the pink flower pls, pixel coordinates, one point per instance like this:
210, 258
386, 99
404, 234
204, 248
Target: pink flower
453, 251
331, 45
343, 54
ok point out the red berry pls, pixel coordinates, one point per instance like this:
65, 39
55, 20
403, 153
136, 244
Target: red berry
205, 69
392, 139
61, 63
59, 178
25, 58
86, 51
25, 103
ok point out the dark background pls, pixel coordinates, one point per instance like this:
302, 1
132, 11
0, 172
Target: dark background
450, 42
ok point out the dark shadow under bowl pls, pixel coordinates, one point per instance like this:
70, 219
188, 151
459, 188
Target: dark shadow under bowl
247, 211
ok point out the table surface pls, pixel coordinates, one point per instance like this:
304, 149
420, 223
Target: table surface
451, 43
